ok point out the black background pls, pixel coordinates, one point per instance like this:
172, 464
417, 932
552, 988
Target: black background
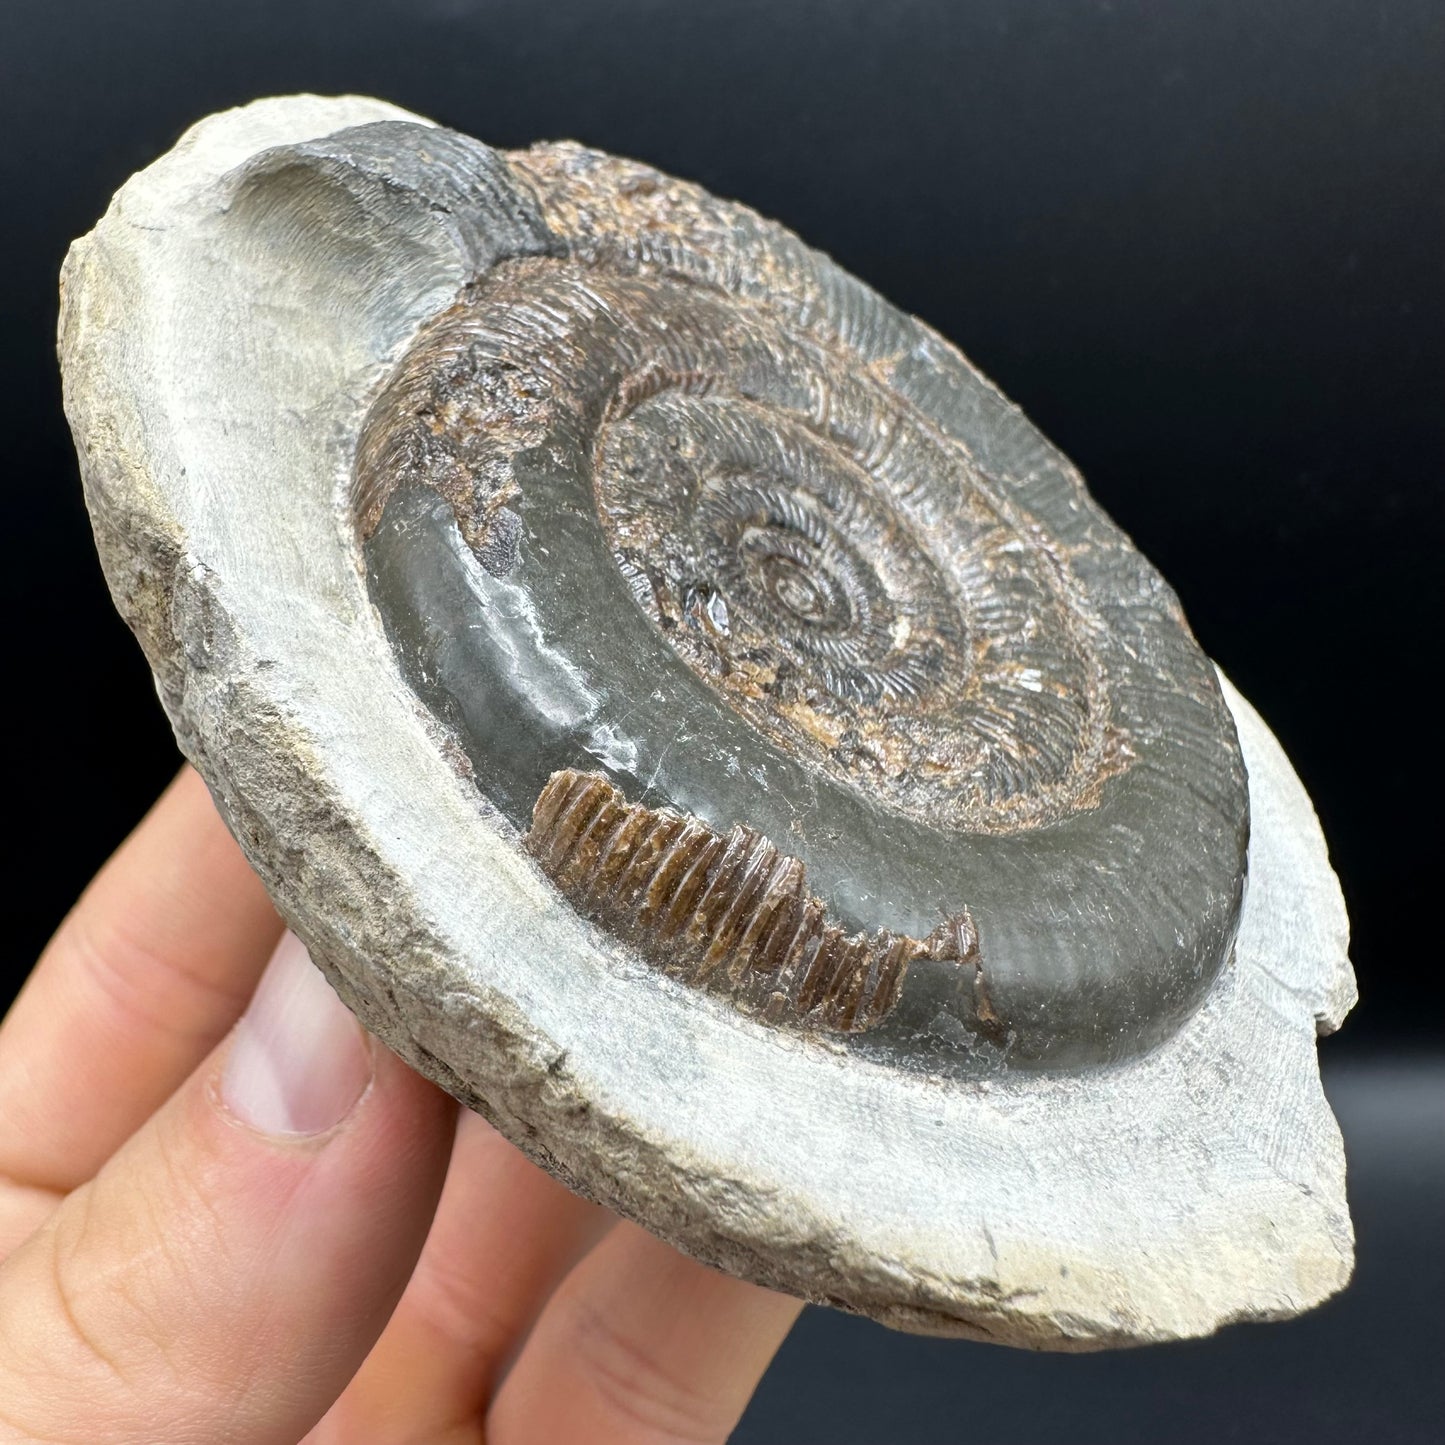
1199, 242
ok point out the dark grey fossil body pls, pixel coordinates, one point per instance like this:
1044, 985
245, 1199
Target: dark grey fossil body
800, 661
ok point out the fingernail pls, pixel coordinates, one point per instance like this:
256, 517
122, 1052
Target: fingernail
299, 1060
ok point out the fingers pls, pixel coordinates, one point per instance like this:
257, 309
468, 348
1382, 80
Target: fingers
150, 969
225, 1274
640, 1345
505, 1235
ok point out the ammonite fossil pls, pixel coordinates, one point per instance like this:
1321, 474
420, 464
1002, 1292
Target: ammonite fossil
695, 718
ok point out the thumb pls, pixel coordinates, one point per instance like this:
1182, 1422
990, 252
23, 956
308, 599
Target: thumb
226, 1272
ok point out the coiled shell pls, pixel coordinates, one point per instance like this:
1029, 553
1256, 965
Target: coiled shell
666, 499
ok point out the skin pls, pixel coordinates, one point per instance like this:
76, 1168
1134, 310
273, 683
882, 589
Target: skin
172, 1272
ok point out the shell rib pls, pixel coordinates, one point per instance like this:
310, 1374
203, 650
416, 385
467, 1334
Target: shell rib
727, 912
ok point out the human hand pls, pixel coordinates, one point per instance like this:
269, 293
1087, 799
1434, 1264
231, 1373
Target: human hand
245, 1234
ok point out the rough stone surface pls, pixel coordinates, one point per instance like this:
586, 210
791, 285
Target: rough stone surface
1199, 1184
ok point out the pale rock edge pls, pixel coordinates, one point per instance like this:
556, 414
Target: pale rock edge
1199, 1185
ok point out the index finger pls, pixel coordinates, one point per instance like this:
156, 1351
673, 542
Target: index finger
142, 979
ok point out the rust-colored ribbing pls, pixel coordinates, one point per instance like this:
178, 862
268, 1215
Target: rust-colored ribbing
727, 912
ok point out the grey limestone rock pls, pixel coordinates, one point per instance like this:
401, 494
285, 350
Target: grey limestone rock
695, 719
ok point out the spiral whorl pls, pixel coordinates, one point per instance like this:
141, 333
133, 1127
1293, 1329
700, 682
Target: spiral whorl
754, 488
667, 503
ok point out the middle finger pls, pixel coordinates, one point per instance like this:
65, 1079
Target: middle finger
505, 1235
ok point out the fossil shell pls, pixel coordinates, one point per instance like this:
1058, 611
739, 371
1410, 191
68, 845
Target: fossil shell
854, 607
696, 719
